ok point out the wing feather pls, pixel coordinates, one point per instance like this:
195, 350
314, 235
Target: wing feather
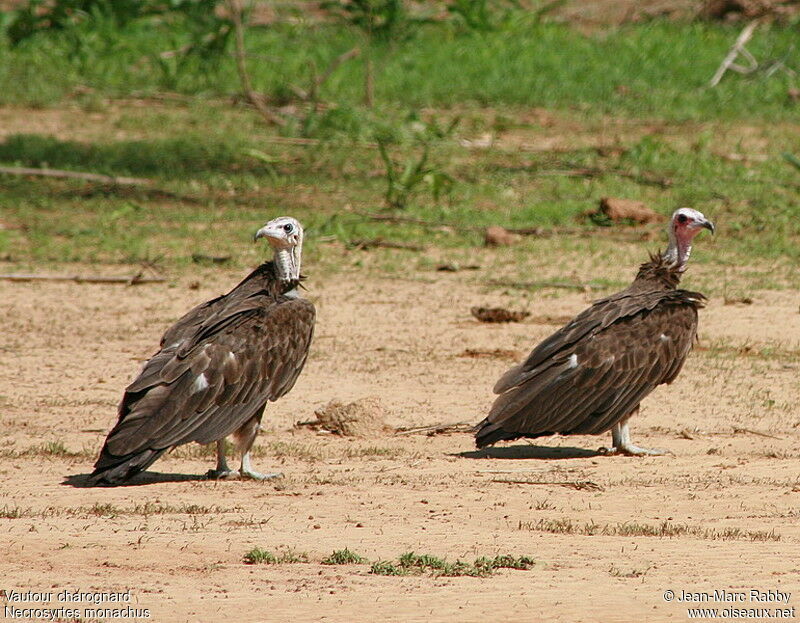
210, 384
593, 372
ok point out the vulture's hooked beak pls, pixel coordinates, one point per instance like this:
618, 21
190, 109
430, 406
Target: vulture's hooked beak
268, 231
706, 224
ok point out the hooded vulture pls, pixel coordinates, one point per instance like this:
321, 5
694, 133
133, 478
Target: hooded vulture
590, 376
217, 368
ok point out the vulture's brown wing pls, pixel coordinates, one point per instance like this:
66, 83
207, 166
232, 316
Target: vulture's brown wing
208, 385
601, 315
592, 373
187, 325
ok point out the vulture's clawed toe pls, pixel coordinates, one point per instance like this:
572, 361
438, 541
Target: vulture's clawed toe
632, 450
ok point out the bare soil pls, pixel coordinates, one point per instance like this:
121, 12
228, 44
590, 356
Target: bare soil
610, 534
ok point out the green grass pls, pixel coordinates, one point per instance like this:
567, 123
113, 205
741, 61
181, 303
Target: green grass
409, 563
657, 68
412, 563
259, 556
218, 172
344, 557
665, 529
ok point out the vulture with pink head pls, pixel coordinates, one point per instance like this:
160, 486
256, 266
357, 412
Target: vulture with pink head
590, 376
217, 368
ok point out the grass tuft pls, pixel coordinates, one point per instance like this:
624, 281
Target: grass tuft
412, 563
344, 557
258, 556
665, 529
385, 567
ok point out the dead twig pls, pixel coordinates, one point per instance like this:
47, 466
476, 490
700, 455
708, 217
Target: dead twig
437, 429
384, 244
318, 80
185, 49
561, 285
580, 485
78, 175
522, 231
748, 431
729, 62
135, 280
641, 178
409, 220
256, 99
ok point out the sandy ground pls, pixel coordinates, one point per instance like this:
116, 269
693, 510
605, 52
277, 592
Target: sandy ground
594, 524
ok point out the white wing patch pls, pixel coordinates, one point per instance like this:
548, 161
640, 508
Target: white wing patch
572, 362
664, 337
200, 383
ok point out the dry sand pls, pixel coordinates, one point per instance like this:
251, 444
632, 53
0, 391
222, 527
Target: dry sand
731, 420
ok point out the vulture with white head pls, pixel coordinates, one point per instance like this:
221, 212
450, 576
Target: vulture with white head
218, 367
590, 376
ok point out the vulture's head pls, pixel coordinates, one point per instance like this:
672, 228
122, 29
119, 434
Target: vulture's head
684, 225
285, 236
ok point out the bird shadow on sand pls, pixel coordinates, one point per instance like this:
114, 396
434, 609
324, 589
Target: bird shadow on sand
530, 452
83, 481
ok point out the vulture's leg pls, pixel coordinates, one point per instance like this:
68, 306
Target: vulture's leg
621, 441
245, 437
222, 470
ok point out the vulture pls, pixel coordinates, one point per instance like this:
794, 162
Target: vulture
217, 368
590, 375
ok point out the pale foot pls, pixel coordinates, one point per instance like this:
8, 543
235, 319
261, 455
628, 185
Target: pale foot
259, 476
632, 450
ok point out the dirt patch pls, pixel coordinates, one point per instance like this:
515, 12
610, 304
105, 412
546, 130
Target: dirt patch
362, 418
627, 211
498, 314
608, 534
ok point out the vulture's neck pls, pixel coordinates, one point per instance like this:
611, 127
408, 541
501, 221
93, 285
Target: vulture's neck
287, 266
661, 271
665, 269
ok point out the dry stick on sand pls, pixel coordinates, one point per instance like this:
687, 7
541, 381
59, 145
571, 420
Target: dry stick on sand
78, 175
254, 98
385, 244
523, 231
131, 281
437, 429
580, 485
729, 62
561, 285
748, 431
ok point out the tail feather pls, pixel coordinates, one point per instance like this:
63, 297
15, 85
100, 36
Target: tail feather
114, 470
487, 433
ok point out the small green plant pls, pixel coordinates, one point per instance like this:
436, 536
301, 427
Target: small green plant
385, 567
10, 512
480, 15
56, 448
413, 563
382, 19
506, 562
402, 180
258, 556
344, 557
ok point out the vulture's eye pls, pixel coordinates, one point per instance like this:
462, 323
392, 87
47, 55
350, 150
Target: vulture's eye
682, 218
288, 228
